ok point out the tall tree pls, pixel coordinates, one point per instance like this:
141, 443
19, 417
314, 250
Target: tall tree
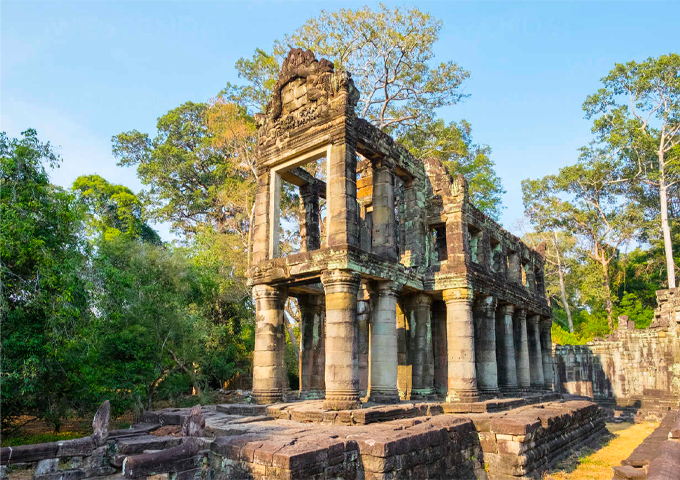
113, 209
390, 54
44, 304
559, 248
636, 115
586, 199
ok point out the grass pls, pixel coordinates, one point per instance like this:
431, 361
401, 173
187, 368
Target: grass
591, 464
39, 438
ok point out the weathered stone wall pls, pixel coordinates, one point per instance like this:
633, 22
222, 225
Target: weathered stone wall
636, 368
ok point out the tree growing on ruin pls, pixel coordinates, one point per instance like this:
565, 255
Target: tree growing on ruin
636, 117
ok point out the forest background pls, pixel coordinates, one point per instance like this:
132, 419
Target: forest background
96, 306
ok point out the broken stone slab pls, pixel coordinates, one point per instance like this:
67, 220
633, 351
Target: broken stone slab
194, 424
135, 445
666, 465
243, 409
134, 430
48, 465
179, 458
75, 474
42, 451
628, 472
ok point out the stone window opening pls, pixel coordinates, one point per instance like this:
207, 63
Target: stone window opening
475, 243
299, 207
540, 281
496, 255
438, 236
513, 266
525, 277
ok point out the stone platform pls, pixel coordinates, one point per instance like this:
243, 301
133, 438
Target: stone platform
303, 441
407, 440
312, 411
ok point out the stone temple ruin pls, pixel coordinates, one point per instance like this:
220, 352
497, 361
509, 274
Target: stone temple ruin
404, 287
425, 347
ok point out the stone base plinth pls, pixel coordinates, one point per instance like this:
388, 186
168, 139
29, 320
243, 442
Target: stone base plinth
303, 441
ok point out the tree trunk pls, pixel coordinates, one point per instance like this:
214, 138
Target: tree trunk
189, 371
291, 335
563, 291
665, 228
609, 306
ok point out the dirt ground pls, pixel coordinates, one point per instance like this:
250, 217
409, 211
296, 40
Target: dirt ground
596, 464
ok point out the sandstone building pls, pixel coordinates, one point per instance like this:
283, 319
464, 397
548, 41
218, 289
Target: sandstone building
403, 286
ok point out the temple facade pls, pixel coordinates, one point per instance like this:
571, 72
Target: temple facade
404, 288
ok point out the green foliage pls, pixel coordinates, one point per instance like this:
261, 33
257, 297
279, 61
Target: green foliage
121, 317
44, 305
186, 173
113, 209
636, 120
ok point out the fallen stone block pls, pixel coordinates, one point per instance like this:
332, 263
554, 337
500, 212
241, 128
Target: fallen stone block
133, 445
179, 458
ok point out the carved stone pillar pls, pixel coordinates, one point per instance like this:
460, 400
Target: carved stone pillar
259, 247
485, 345
439, 347
342, 365
462, 379
269, 370
343, 211
384, 233
505, 350
383, 350
319, 346
522, 349
546, 352
423, 360
364, 308
535, 356
307, 312
310, 232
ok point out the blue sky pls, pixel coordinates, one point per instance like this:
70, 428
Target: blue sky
81, 72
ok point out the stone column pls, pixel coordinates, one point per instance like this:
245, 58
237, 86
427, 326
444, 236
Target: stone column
423, 360
462, 379
364, 301
546, 352
383, 350
439, 347
384, 233
309, 219
306, 365
319, 353
505, 350
485, 345
342, 365
535, 355
259, 248
522, 349
269, 370
342, 219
